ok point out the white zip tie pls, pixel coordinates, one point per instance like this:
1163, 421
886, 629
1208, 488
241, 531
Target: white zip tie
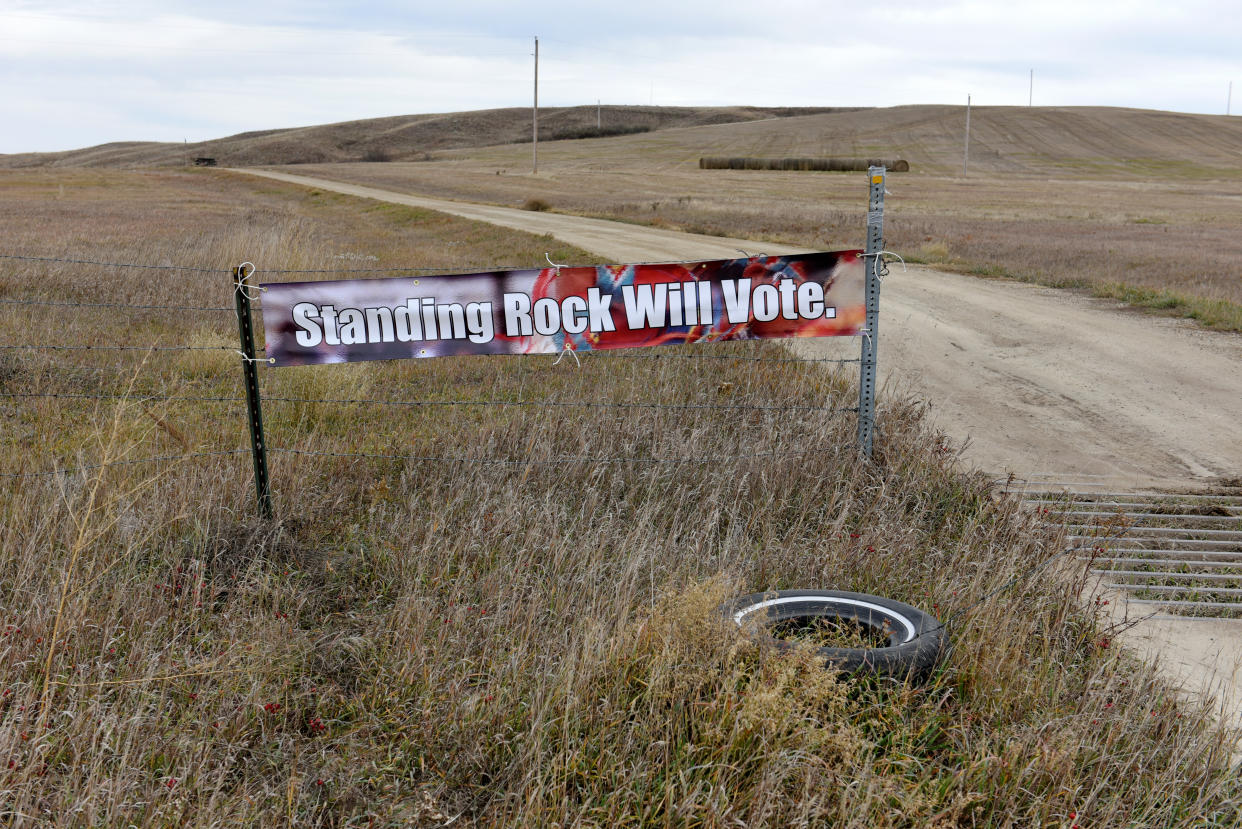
241, 284
896, 256
572, 351
866, 332
881, 267
553, 264
242, 354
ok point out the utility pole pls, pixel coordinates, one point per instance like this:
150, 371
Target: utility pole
599, 118
1031, 95
966, 152
1229, 100
535, 120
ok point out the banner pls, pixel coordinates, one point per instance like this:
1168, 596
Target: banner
548, 310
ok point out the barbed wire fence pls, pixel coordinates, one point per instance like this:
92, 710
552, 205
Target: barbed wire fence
68, 356
71, 360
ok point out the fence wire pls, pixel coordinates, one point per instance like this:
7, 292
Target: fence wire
125, 305
95, 466
52, 347
491, 402
617, 355
569, 404
469, 269
113, 264
139, 397
559, 460
136, 397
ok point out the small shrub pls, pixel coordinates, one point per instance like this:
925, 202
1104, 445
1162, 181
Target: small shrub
536, 205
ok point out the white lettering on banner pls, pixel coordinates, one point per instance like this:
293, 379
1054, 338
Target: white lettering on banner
737, 300
787, 300
416, 320
647, 305
811, 302
309, 333
655, 305
573, 314
533, 311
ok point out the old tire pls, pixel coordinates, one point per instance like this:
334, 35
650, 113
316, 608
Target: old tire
916, 640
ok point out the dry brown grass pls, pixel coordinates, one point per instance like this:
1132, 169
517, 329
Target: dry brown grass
1155, 231
1136, 205
404, 137
507, 644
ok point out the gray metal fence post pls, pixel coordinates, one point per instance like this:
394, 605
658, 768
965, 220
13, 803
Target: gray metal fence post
870, 339
254, 408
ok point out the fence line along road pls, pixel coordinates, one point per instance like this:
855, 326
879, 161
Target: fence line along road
251, 363
1001, 362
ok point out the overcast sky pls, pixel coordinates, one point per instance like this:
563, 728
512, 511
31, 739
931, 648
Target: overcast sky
73, 74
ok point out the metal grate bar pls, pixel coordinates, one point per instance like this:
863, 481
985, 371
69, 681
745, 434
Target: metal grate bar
1128, 504
1237, 519
1166, 562
1104, 539
1181, 553
1165, 574
1171, 530
1148, 497
1175, 501
1179, 588
1187, 603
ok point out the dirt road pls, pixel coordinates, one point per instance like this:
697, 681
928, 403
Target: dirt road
1040, 382
1036, 381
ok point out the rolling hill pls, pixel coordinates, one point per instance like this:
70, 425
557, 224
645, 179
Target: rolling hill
1039, 141
1004, 140
402, 137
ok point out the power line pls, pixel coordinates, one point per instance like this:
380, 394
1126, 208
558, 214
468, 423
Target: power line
535, 129
966, 151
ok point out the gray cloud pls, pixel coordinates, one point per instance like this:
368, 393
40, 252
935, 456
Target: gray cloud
83, 73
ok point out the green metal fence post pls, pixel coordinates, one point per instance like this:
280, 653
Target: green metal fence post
254, 407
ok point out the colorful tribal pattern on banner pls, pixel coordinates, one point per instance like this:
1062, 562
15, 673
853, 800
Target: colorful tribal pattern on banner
549, 310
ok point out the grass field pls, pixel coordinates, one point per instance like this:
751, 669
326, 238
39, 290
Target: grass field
402, 137
509, 643
1137, 206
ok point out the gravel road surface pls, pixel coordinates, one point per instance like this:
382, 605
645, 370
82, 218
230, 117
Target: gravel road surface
1039, 382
